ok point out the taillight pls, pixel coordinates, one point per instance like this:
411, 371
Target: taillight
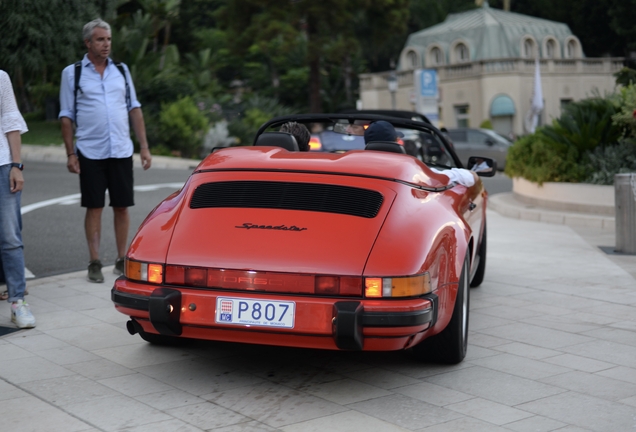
263, 281
409, 286
144, 272
315, 144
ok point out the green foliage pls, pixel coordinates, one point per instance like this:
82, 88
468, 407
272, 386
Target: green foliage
182, 126
41, 92
604, 162
486, 124
163, 89
585, 124
539, 159
255, 111
625, 118
625, 76
42, 132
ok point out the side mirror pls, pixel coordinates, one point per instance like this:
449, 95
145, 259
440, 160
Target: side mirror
482, 166
490, 142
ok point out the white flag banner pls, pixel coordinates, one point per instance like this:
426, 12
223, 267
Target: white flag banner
536, 104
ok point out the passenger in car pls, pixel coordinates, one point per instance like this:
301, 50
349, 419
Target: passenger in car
300, 132
384, 131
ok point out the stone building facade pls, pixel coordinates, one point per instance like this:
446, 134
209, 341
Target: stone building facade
485, 64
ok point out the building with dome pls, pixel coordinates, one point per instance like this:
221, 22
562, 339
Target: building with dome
484, 66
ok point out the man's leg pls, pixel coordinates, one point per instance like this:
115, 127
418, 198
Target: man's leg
122, 224
93, 228
120, 189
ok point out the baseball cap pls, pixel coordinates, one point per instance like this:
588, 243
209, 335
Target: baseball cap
381, 131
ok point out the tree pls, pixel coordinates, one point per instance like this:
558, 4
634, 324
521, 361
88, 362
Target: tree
40, 38
274, 28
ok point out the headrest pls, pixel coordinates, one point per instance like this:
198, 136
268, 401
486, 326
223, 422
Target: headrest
278, 139
387, 146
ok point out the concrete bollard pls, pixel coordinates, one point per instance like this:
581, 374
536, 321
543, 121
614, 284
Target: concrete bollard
625, 203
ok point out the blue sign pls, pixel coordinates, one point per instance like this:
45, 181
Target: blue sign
428, 83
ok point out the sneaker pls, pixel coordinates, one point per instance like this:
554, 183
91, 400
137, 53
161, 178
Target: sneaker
21, 315
95, 271
119, 266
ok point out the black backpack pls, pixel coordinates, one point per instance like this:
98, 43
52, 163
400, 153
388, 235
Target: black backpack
78, 75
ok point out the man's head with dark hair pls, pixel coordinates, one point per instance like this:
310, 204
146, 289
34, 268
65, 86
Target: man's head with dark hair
381, 131
300, 132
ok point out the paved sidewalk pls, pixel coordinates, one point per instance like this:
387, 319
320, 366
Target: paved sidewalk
552, 347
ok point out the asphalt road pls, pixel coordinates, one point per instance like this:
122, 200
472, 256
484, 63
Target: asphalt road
53, 234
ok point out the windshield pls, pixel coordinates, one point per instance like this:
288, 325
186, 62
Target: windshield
497, 136
346, 134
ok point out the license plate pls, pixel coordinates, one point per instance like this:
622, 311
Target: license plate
254, 312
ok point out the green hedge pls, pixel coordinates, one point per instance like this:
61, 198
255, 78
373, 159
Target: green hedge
590, 142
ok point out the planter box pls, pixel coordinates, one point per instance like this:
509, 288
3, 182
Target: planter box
571, 197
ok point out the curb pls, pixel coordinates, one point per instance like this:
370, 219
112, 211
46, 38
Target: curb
508, 205
57, 154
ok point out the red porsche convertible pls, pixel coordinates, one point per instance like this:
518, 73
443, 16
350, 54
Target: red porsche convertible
361, 250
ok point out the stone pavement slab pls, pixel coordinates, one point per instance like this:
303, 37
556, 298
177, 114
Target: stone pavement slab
552, 347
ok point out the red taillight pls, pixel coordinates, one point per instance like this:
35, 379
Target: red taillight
196, 277
263, 281
400, 141
329, 285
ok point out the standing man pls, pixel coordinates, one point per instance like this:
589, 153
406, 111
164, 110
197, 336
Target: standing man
102, 105
11, 182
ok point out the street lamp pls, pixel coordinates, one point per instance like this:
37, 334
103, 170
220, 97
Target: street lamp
393, 86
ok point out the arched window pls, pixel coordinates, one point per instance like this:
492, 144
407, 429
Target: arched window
411, 60
550, 49
436, 57
528, 48
461, 53
571, 49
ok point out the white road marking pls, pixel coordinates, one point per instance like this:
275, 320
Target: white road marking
72, 199
75, 198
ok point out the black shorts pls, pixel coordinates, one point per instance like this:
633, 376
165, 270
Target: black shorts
98, 175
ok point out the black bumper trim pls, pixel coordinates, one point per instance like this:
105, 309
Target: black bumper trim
131, 301
397, 319
349, 316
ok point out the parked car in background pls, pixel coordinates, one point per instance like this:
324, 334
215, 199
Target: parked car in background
485, 142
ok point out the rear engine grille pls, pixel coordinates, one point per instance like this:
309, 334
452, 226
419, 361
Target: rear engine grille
289, 196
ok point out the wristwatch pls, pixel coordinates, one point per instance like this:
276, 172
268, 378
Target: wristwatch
17, 165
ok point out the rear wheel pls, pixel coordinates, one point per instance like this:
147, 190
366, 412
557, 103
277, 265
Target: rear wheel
478, 278
451, 344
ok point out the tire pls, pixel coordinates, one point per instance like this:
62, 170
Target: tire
450, 345
478, 278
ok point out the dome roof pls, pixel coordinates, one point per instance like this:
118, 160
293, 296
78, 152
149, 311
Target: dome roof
488, 33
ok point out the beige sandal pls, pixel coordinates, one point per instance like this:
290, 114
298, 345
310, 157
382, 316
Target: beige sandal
5, 294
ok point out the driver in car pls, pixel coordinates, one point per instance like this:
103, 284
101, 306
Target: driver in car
384, 131
357, 128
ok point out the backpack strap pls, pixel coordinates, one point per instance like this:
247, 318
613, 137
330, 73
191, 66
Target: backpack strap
120, 66
78, 74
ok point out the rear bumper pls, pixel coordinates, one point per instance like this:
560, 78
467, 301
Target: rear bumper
329, 323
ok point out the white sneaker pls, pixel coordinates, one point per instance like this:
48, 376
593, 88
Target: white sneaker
21, 315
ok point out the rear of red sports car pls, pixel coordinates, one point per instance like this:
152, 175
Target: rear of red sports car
362, 250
